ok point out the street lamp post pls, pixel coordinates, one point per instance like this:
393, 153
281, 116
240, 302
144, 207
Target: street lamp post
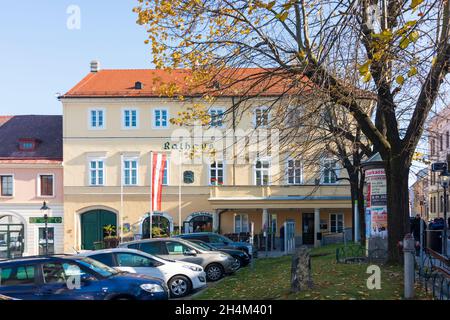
444, 178
44, 210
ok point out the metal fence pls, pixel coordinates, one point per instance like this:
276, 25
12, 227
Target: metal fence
433, 267
356, 253
344, 236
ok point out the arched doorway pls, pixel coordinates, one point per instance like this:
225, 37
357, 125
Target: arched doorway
92, 226
162, 225
199, 222
12, 237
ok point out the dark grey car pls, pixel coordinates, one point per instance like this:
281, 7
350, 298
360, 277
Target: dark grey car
215, 263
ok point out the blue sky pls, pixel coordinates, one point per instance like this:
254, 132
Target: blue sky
40, 56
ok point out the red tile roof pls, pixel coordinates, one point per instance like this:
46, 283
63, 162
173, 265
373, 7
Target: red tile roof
232, 82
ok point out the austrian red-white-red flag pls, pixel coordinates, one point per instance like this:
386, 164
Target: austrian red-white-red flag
159, 163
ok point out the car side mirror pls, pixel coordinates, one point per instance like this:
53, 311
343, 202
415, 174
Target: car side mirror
190, 253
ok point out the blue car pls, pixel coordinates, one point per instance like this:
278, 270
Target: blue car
67, 277
219, 241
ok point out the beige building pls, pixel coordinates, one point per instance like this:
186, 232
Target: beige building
114, 119
419, 194
439, 149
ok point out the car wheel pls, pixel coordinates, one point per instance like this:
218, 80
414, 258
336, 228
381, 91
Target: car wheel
237, 264
214, 272
179, 286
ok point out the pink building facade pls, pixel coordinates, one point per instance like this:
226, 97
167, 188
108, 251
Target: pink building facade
30, 174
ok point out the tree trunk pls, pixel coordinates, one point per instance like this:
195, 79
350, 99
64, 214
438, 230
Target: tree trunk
361, 210
397, 170
354, 186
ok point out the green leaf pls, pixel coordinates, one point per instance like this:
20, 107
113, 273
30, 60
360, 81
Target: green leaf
415, 3
367, 77
412, 72
414, 36
287, 5
400, 80
270, 5
411, 23
282, 16
404, 43
364, 68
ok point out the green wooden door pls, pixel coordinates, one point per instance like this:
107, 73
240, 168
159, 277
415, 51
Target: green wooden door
92, 223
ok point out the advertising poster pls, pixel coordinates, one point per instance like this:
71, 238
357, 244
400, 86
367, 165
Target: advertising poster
376, 199
368, 226
378, 222
378, 195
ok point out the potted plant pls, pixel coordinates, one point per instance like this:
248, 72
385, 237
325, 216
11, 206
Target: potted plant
111, 240
158, 232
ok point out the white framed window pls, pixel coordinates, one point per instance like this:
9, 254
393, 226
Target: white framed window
216, 173
216, 115
165, 178
262, 172
46, 185
7, 185
160, 118
261, 117
97, 118
294, 116
294, 171
130, 118
329, 171
336, 222
130, 171
241, 223
96, 172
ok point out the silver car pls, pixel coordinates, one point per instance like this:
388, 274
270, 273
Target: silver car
215, 263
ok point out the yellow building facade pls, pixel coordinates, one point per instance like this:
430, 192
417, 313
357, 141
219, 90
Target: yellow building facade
114, 120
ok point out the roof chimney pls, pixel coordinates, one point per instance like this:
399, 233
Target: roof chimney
95, 66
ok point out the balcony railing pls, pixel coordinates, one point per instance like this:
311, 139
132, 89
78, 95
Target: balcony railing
336, 190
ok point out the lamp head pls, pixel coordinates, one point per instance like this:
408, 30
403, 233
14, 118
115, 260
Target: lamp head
444, 178
44, 207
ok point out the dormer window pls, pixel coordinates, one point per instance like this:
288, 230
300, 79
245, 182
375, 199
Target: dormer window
27, 144
138, 85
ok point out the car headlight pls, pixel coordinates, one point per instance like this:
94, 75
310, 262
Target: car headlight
223, 256
193, 268
250, 249
153, 288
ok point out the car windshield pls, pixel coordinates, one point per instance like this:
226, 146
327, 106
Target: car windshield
225, 239
204, 245
197, 246
98, 267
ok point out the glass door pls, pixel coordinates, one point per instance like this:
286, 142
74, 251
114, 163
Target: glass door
11, 240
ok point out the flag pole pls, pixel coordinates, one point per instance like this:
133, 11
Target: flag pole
179, 193
150, 222
121, 199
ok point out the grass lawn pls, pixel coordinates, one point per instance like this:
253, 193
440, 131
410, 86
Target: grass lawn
269, 279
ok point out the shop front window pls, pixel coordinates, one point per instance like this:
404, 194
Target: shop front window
11, 237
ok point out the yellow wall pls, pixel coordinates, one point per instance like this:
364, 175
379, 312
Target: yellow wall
82, 143
227, 222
